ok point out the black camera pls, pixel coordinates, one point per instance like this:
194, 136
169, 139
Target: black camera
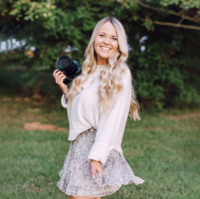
71, 68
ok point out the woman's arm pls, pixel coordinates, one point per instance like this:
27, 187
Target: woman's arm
111, 125
59, 77
64, 101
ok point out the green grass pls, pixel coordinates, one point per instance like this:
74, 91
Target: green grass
164, 152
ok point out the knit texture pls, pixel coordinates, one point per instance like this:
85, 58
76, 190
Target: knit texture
110, 126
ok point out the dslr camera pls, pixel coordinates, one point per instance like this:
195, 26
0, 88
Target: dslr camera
70, 68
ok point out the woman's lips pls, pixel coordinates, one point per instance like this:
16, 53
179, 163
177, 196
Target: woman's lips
105, 48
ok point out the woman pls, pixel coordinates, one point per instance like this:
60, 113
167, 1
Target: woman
98, 104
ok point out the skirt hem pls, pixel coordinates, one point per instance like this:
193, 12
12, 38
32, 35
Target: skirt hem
103, 194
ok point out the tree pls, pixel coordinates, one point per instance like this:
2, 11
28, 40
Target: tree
165, 72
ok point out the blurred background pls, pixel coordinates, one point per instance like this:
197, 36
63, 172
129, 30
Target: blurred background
164, 57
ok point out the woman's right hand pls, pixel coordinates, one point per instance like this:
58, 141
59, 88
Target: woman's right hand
96, 166
59, 77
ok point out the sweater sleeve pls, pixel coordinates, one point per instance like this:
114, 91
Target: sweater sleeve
64, 101
112, 124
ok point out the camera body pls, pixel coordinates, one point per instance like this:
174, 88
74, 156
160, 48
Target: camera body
71, 68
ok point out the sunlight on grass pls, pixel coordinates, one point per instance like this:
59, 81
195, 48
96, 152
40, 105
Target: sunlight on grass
163, 151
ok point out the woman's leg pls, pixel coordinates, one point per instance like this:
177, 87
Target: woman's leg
83, 197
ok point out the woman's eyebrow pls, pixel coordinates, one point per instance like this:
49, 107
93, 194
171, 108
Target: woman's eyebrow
105, 34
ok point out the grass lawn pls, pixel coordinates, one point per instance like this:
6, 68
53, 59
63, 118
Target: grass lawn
163, 149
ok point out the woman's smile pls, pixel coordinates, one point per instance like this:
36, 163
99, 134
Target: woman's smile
105, 48
106, 43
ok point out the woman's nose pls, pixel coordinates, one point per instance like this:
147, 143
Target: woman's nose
107, 40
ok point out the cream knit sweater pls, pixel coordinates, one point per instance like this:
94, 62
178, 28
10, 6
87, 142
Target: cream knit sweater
110, 127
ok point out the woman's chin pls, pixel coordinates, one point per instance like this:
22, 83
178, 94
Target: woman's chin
104, 55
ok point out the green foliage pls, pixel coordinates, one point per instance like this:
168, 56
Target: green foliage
185, 4
165, 73
148, 24
162, 78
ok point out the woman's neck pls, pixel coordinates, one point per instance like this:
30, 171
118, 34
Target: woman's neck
101, 61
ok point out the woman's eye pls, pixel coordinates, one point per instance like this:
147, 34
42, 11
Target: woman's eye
101, 35
114, 38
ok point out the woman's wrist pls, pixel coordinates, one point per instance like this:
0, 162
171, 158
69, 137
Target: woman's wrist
65, 92
95, 161
65, 96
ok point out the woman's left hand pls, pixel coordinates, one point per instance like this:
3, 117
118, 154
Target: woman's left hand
96, 166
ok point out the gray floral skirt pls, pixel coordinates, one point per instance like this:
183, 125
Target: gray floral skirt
76, 176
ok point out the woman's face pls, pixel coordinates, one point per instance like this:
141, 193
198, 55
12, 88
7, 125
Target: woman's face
106, 43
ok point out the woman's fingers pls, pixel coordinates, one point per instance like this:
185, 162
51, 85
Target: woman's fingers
58, 74
93, 172
54, 73
100, 171
97, 168
62, 79
59, 77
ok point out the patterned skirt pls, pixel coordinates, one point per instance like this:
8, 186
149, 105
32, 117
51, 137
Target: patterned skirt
76, 176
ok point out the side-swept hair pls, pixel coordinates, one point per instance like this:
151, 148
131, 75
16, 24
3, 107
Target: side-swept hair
111, 78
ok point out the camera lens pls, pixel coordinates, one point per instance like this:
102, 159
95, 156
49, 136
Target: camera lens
64, 62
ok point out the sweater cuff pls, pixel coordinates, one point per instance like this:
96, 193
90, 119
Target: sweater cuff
99, 153
64, 101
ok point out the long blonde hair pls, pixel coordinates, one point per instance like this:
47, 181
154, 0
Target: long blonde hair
111, 77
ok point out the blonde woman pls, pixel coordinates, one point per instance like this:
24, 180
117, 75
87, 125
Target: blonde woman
98, 105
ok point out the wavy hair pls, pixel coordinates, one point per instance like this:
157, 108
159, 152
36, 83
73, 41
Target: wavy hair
111, 77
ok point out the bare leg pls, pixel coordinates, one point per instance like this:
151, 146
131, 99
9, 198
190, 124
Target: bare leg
83, 197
